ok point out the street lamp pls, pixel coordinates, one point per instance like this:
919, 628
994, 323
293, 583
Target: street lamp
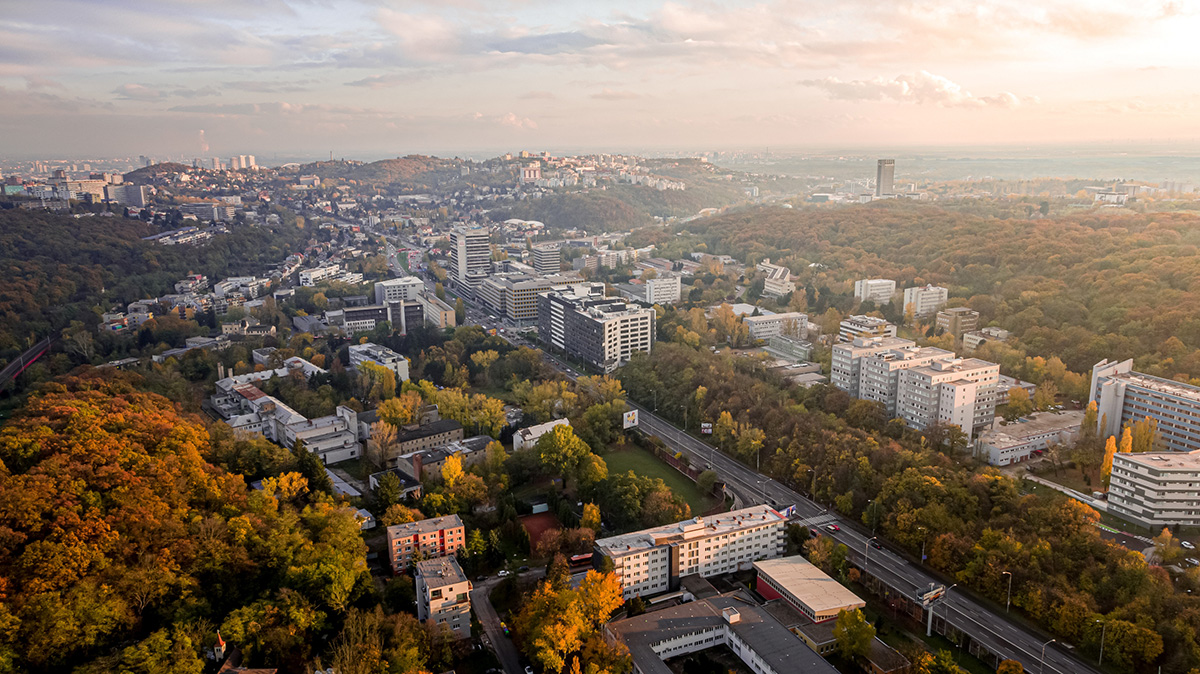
867, 552
1008, 601
1042, 664
923, 540
1103, 626
874, 516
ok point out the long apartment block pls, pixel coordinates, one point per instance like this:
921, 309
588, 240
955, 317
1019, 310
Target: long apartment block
425, 539
1156, 489
1123, 396
652, 561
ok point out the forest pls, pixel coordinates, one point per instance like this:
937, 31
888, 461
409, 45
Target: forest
1084, 286
928, 495
59, 269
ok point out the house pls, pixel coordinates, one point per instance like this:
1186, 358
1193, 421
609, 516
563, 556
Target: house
528, 437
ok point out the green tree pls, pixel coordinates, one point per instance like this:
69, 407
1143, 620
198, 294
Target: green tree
561, 451
853, 634
943, 663
460, 312
706, 480
1018, 404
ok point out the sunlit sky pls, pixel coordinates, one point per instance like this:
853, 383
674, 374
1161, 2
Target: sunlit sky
215, 77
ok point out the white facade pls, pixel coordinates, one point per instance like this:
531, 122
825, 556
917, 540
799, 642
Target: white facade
379, 355
877, 290
1018, 441
957, 392
528, 437
879, 373
311, 277
405, 289
470, 256
547, 259
1123, 396
1156, 489
924, 300
444, 595
790, 324
778, 280
664, 290
854, 327
846, 363
652, 561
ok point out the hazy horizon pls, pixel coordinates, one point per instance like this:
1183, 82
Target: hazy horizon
303, 77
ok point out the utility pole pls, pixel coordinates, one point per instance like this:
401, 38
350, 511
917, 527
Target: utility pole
1008, 601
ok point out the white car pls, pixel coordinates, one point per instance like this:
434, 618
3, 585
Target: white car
504, 573
1187, 544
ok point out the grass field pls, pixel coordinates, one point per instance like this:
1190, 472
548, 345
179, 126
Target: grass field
645, 464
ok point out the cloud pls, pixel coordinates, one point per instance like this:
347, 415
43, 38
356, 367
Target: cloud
614, 95
265, 87
921, 88
511, 119
149, 92
538, 96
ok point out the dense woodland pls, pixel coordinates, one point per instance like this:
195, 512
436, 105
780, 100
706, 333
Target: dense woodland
1083, 287
58, 269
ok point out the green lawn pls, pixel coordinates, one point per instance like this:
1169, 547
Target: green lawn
645, 464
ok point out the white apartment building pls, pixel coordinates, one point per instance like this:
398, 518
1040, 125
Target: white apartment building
547, 259
470, 256
1156, 489
664, 290
311, 277
778, 280
877, 290
444, 595
404, 289
652, 561
846, 364
790, 324
879, 373
1123, 396
864, 326
379, 355
925, 300
603, 332
961, 392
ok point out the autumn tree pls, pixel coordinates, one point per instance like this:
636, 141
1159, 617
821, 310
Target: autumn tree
853, 634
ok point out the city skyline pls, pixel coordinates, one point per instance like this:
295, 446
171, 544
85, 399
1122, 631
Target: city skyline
217, 78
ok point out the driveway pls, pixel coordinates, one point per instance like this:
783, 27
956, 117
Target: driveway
501, 645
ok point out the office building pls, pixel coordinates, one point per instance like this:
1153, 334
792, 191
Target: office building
777, 280
885, 176
791, 349
126, 195
1017, 442
470, 256
1156, 489
976, 338
547, 259
877, 290
731, 620
437, 313
402, 289
602, 332
957, 321
924, 300
789, 324
379, 355
805, 588
429, 539
652, 561
401, 315
513, 295
1124, 396
959, 392
444, 595
854, 327
663, 290
846, 360
879, 373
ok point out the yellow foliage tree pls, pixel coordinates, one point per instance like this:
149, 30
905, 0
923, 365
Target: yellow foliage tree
1110, 448
452, 470
1126, 445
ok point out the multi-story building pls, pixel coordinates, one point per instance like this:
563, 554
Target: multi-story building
1124, 396
444, 595
976, 338
528, 437
879, 373
846, 363
885, 176
364, 318
959, 392
790, 324
513, 295
379, 355
547, 259
925, 300
1019, 441
877, 290
412, 438
652, 561
790, 348
603, 332
437, 313
664, 289
1156, 489
957, 321
404, 289
470, 256
854, 327
777, 281
311, 277
425, 539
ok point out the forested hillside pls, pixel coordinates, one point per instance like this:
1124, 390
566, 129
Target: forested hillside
1093, 285
58, 269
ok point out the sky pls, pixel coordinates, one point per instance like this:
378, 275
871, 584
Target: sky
285, 77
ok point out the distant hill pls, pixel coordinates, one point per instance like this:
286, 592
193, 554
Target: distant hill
154, 170
402, 173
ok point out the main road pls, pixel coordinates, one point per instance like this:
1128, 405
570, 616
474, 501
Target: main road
989, 628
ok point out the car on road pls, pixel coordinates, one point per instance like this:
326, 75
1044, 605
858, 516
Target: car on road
815, 533
876, 545
1188, 545
832, 527
504, 572
1192, 561
528, 669
523, 569
484, 577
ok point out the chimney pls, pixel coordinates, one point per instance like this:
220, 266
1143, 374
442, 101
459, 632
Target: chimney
731, 615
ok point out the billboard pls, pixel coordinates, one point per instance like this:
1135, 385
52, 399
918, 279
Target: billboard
631, 419
706, 428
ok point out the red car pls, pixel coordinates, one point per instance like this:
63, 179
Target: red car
833, 527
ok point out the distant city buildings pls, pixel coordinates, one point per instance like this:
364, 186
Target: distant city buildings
957, 321
885, 176
924, 301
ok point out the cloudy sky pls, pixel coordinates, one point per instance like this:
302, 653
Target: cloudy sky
205, 77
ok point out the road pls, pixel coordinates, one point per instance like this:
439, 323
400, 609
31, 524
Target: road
501, 645
987, 627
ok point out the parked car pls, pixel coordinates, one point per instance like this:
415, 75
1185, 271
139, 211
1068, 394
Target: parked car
1187, 544
1192, 561
504, 572
833, 527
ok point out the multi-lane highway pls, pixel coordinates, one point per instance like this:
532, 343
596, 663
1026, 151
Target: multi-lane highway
989, 628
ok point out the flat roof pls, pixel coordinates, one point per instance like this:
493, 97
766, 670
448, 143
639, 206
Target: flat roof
695, 528
440, 571
1160, 385
1017, 432
424, 526
1166, 460
808, 584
